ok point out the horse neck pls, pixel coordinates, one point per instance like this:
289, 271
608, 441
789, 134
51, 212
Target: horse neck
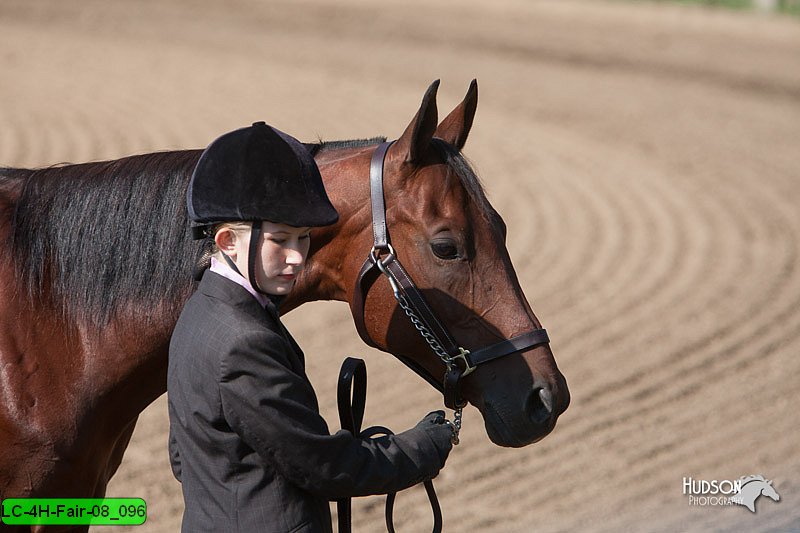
99, 353
337, 251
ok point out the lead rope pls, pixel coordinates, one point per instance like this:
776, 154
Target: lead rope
351, 396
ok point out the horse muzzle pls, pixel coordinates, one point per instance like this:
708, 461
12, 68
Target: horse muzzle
516, 420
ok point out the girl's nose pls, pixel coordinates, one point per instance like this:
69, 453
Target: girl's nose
294, 257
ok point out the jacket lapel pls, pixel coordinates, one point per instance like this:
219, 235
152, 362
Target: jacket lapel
219, 287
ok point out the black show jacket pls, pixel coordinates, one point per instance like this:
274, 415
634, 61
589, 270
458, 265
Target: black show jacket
246, 438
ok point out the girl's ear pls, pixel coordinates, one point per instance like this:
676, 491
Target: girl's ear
225, 239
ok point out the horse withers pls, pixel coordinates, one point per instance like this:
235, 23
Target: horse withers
99, 262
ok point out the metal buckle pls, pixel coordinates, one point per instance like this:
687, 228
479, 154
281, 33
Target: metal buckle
375, 254
462, 355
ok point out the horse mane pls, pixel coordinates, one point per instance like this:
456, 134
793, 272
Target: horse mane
90, 237
322, 146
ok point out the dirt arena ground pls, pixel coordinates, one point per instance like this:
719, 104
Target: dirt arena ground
646, 158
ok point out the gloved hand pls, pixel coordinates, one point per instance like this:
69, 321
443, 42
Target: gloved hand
440, 431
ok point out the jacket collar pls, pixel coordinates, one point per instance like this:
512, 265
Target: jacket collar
222, 288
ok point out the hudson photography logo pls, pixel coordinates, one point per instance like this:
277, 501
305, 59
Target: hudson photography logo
727, 492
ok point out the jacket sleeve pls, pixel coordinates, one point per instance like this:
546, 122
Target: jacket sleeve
174, 457
273, 409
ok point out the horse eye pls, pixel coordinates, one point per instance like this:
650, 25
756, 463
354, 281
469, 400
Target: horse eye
444, 249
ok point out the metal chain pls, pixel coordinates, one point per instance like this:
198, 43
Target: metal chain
437, 349
423, 330
457, 414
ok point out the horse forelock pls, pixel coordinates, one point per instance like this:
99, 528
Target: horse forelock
470, 181
91, 238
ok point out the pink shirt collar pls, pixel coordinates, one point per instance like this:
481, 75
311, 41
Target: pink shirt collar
219, 267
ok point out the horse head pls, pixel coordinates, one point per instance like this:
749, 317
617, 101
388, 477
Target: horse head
451, 242
769, 491
751, 488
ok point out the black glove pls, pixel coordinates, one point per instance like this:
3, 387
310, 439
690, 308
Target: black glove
440, 431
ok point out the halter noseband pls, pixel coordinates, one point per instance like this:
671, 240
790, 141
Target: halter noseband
382, 259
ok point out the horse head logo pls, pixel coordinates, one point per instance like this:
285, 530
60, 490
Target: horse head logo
751, 488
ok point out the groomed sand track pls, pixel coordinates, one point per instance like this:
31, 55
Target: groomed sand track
645, 158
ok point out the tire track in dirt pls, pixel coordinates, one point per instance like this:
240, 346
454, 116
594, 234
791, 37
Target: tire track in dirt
600, 270
767, 297
733, 364
693, 458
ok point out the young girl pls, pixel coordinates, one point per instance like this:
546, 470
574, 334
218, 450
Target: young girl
246, 439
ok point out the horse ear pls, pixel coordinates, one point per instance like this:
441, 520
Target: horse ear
455, 128
415, 140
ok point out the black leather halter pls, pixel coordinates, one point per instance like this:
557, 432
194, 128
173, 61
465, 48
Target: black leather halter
382, 259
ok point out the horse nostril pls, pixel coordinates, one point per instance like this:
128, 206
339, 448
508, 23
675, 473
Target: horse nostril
540, 405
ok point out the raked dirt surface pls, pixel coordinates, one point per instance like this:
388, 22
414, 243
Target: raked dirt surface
646, 158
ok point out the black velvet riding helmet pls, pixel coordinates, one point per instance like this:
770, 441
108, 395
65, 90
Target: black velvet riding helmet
254, 174
258, 173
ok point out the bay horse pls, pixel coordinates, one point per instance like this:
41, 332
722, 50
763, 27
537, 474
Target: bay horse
98, 263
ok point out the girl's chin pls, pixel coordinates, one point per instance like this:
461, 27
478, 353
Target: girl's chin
279, 288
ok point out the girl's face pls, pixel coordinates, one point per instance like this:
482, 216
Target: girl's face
282, 255
282, 252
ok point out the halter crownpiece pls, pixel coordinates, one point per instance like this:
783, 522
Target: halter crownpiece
459, 362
